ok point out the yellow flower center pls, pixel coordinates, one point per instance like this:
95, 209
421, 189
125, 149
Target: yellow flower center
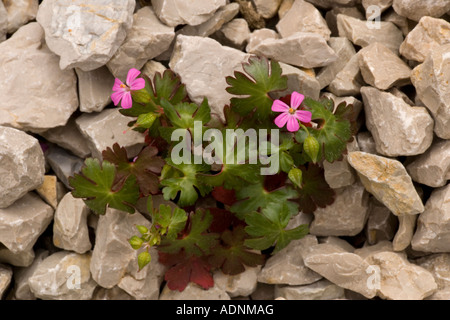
123, 86
291, 111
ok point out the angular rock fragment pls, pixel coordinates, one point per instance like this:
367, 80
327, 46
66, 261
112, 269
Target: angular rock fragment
302, 49
147, 38
22, 165
432, 167
336, 241
21, 275
151, 68
346, 216
428, 35
194, 292
6, 275
433, 225
94, 89
381, 68
267, 8
20, 12
381, 5
52, 190
397, 128
63, 163
327, 4
106, 128
258, 36
303, 17
175, 12
203, 64
369, 250
431, 80
114, 293
340, 174
22, 223
299, 80
388, 181
439, 266
63, 276
320, 290
401, 22
366, 142
40, 95
381, 224
287, 266
416, 9
70, 230
3, 22
19, 259
242, 284
234, 34
331, 17
348, 81
405, 232
358, 32
263, 292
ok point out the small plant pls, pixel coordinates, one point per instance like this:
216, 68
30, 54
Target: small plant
258, 186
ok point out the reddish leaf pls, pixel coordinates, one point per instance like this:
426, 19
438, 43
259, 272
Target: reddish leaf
226, 196
223, 220
274, 182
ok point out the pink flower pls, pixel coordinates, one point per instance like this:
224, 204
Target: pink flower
291, 115
123, 92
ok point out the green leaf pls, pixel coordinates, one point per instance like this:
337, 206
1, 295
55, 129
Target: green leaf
96, 185
295, 175
332, 134
268, 228
263, 77
144, 259
173, 221
197, 241
146, 120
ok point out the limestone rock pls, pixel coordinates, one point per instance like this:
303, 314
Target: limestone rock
302, 49
194, 292
429, 34
388, 181
320, 290
263, 292
94, 89
416, 9
63, 276
258, 36
85, 33
267, 8
22, 165
203, 64
400, 279
51, 190
346, 216
431, 80
345, 269
433, 226
401, 22
381, 224
331, 17
369, 250
366, 142
340, 174
70, 230
69, 137
303, 17
358, 32
405, 232
327, 4
19, 259
432, 167
40, 95
299, 80
381, 68
114, 293
195, 12
106, 128
6, 274
287, 266
113, 256
336, 241
407, 131
234, 34
242, 284
22, 289
63, 163
439, 266
3, 22
23, 222
151, 68
349, 80
381, 4
147, 39
20, 12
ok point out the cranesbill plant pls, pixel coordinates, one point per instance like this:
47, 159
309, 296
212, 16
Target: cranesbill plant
261, 163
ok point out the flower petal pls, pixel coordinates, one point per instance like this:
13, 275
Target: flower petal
116, 96
303, 116
137, 84
279, 106
292, 124
117, 84
281, 120
127, 102
132, 75
296, 100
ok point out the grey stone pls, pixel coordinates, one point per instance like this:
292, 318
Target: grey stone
439, 266
106, 128
63, 276
327, 4
267, 8
19, 259
20, 12
331, 17
302, 49
22, 165
22, 289
63, 163
284, 8
431, 80
70, 230
388, 181
234, 34
346, 216
366, 142
369, 250
336, 241
320, 290
151, 68
52, 190
300, 80
432, 167
349, 80
429, 34
3, 22
40, 95
358, 32
382, 68
258, 36
194, 292
407, 131
203, 64
433, 225
263, 292
401, 22
114, 293
382, 5
416, 9
405, 232
303, 17
22, 223
6, 275
94, 89
85, 33
242, 284
287, 266
177, 12
381, 224
147, 38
